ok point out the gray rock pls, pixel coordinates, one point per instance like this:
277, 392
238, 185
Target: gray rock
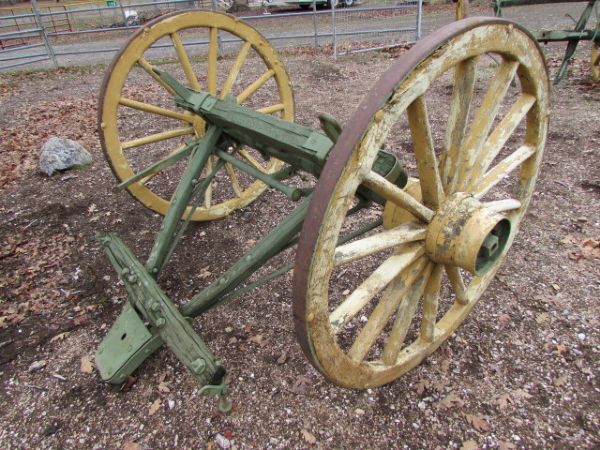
61, 154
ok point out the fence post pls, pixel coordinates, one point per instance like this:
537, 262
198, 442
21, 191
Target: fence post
333, 4
40, 22
314, 8
419, 16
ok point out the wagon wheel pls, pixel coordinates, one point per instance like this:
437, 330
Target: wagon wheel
147, 139
416, 281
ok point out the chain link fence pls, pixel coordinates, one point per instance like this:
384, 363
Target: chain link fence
47, 35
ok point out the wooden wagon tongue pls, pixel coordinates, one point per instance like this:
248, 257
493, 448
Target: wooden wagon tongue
150, 318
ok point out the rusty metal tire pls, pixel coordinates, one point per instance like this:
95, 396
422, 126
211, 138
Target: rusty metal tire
346, 346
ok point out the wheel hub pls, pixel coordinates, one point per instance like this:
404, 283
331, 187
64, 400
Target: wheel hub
464, 233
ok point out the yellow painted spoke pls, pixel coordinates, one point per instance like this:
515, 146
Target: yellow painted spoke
184, 60
462, 94
148, 68
431, 186
404, 316
482, 122
253, 162
212, 61
373, 284
457, 283
500, 135
235, 184
163, 136
430, 303
246, 93
384, 310
403, 234
502, 169
209, 188
393, 193
271, 109
155, 109
235, 70
499, 206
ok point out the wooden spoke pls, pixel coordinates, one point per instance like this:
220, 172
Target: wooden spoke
457, 283
148, 68
431, 185
430, 303
255, 86
404, 316
253, 162
499, 206
235, 184
163, 136
235, 70
271, 109
212, 61
141, 106
209, 188
500, 135
184, 60
384, 310
482, 122
462, 94
403, 234
373, 284
502, 169
393, 193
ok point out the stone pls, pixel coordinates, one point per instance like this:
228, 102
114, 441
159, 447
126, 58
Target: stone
61, 154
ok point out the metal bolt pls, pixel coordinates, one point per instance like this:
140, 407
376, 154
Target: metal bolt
198, 366
155, 306
161, 322
124, 271
132, 278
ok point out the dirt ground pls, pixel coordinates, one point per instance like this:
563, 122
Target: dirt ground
521, 372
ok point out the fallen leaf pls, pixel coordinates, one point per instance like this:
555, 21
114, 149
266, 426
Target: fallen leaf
155, 406
505, 445
502, 401
504, 319
130, 445
542, 318
92, 208
309, 437
37, 365
561, 349
422, 386
522, 394
560, 381
282, 359
259, 339
469, 445
204, 273
163, 387
478, 422
301, 385
86, 365
450, 401
129, 382
60, 337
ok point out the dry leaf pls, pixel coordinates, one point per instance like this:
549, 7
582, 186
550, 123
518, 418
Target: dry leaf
478, 422
504, 319
560, 381
422, 386
204, 273
542, 318
450, 401
37, 365
502, 401
130, 445
505, 445
522, 394
469, 445
259, 339
301, 385
282, 359
92, 208
87, 366
60, 337
155, 406
309, 437
163, 387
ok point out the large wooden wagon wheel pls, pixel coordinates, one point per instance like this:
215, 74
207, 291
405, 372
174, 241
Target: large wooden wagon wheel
147, 139
445, 235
